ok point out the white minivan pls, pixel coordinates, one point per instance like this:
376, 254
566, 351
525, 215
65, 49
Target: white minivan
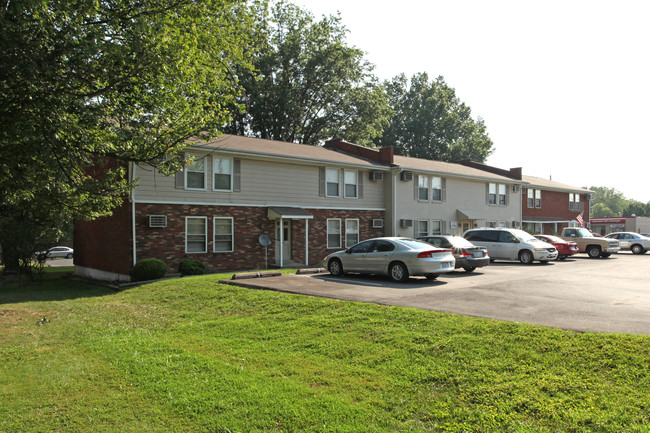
511, 244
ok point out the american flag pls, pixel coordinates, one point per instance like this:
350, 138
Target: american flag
580, 220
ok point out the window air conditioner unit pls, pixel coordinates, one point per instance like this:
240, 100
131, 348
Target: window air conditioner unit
157, 221
406, 175
406, 223
376, 175
515, 188
377, 223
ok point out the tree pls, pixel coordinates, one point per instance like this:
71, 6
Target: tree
429, 121
607, 202
310, 85
636, 208
88, 86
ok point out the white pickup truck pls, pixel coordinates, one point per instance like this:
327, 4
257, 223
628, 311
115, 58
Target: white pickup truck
588, 243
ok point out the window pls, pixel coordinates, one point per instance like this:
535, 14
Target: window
333, 233
436, 189
223, 235
332, 182
531, 197
436, 227
196, 240
195, 174
423, 188
492, 193
502, 195
574, 202
538, 198
351, 232
350, 184
423, 228
222, 172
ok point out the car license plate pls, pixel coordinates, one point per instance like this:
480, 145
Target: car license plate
478, 254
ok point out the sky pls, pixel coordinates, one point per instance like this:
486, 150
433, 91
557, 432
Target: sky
563, 86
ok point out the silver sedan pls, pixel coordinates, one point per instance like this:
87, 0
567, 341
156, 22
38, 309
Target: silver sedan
635, 242
396, 257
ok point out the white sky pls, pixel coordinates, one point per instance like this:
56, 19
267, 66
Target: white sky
563, 86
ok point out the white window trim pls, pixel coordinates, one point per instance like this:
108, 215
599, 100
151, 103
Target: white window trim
232, 235
427, 187
232, 162
205, 173
441, 227
433, 189
356, 183
205, 225
327, 234
418, 233
338, 176
496, 194
357, 231
501, 186
538, 192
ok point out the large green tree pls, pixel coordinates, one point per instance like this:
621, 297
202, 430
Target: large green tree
607, 202
430, 121
87, 86
309, 85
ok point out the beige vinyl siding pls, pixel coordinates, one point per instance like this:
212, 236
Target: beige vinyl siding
262, 183
467, 195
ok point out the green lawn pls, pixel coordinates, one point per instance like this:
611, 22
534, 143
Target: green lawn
192, 355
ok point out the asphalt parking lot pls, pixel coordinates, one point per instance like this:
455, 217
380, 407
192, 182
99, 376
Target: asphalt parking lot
580, 294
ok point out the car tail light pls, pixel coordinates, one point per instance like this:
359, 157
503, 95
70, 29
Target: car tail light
429, 254
466, 254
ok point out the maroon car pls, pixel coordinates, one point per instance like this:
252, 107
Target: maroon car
564, 248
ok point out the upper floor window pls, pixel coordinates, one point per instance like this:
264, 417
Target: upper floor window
574, 202
538, 198
332, 182
222, 172
436, 188
530, 194
492, 193
350, 179
423, 188
502, 195
195, 174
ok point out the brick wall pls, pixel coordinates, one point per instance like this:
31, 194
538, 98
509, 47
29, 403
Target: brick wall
168, 243
555, 204
105, 243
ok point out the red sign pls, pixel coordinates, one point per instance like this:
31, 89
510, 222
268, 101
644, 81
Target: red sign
607, 220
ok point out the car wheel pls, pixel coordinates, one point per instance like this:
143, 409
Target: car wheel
398, 272
637, 249
561, 257
431, 276
469, 269
526, 257
593, 251
335, 267
69, 256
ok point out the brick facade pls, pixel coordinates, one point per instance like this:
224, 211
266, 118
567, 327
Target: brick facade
554, 207
168, 244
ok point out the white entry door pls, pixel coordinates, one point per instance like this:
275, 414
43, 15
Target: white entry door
285, 226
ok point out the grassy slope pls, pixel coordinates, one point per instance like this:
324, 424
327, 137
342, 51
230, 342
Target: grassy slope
193, 355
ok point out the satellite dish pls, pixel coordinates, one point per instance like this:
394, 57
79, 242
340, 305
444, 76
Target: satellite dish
265, 240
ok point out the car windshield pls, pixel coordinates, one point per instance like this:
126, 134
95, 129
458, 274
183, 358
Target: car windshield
585, 233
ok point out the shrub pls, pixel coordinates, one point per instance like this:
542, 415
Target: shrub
191, 267
148, 269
